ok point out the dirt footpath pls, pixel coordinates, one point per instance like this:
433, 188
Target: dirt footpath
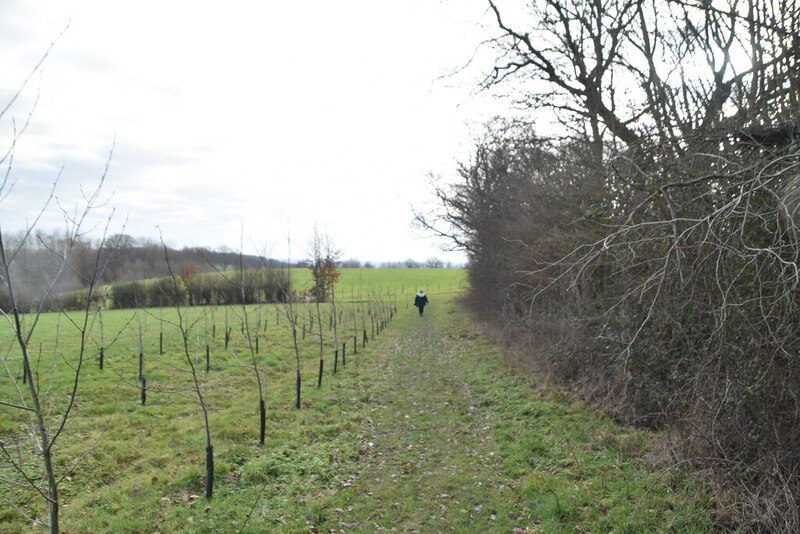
431, 464
452, 442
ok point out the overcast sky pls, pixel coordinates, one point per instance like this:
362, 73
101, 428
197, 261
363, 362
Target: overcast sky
266, 116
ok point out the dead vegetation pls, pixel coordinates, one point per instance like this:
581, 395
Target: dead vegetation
648, 259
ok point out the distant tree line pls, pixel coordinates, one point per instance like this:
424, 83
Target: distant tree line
131, 265
648, 255
135, 272
409, 263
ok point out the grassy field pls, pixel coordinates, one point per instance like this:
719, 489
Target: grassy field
361, 283
117, 434
425, 406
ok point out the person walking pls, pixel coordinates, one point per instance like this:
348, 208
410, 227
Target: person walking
420, 301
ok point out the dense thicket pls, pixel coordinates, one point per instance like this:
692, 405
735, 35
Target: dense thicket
651, 253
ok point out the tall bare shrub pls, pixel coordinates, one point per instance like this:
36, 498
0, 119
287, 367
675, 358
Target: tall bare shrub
675, 284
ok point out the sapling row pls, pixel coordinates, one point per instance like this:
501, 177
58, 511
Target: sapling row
327, 317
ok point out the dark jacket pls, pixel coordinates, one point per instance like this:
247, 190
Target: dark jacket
420, 301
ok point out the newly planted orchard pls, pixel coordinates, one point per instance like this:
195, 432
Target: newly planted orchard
149, 424
146, 470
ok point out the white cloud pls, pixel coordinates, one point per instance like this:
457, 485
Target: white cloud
261, 115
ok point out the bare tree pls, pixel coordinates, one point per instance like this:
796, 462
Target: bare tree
251, 335
324, 266
46, 417
325, 273
649, 249
184, 326
638, 69
294, 318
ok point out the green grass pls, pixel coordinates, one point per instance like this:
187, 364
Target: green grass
144, 467
475, 449
363, 283
423, 429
